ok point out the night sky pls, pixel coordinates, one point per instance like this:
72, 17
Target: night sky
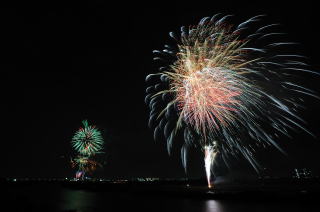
62, 63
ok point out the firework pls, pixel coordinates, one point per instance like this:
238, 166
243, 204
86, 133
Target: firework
227, 89
87, 140
79, 175
84, 164
210, 153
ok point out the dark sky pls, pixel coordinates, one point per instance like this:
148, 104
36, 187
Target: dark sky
62, 63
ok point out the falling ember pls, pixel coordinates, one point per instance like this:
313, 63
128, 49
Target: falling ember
209, 156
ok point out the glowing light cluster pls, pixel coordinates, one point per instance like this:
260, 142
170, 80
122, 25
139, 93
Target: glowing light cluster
84, 164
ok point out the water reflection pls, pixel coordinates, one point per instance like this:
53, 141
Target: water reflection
77, 200
213, 206
71, 200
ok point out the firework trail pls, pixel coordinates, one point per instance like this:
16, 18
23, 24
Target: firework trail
210, 153
228, 89
87, 142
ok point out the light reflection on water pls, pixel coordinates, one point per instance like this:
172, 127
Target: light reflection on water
84, 201
55, 198
77, 199
212, 206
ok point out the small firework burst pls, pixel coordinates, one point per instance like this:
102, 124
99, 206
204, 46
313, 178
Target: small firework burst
84, 164
228, 90
87, 140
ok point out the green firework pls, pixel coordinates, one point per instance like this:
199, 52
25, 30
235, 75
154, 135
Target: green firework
87, 140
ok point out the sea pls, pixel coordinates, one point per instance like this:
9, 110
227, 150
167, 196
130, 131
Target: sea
64, 197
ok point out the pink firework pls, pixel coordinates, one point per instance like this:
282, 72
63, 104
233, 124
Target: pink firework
207, 97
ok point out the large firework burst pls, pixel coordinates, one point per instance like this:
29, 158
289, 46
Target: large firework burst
226, 88
87, 140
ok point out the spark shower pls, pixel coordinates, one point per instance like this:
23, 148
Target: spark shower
227, 89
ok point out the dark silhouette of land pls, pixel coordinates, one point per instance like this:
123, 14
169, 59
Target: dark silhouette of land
289, 187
